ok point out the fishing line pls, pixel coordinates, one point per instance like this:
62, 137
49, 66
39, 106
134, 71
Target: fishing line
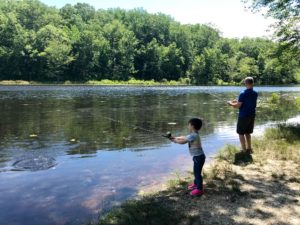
214, 95
167, 135
219, 97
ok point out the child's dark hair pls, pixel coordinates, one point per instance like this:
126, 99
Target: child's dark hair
196, 123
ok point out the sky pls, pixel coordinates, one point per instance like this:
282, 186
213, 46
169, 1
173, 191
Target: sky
229, 16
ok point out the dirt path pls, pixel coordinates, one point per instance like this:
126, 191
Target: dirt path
253, 194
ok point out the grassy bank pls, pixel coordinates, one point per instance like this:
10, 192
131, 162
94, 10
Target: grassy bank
266, 191
15, 82
140, 82
133, 82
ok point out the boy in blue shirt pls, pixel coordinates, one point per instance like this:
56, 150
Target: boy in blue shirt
246, 104
196, 151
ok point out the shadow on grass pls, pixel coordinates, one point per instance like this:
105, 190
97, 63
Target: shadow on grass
149, 210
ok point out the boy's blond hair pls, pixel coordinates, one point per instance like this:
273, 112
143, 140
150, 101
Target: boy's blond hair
249, 80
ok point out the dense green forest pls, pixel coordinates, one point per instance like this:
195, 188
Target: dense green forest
79, 43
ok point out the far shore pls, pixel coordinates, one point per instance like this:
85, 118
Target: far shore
131, 82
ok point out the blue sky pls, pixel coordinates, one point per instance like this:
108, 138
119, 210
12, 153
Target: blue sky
229, 16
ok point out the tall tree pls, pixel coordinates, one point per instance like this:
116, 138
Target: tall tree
287, 13
122, 44
53, 49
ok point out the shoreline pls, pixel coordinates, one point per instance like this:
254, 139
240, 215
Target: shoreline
249, 193
133, 82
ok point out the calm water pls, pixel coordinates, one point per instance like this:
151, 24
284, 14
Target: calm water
70, 153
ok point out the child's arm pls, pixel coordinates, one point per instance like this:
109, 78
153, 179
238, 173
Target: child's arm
179, 140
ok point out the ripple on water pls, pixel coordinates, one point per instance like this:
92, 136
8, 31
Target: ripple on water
35, 163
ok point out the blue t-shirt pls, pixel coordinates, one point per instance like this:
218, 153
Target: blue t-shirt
195, 146
248, 97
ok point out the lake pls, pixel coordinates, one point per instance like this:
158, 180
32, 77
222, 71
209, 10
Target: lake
70, 153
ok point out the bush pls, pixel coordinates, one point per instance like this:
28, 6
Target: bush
67, 82
289, 132
185, 81
133, 81
14, 82
228, 153
275, 98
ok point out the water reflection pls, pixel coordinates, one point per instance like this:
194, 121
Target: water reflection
105, 143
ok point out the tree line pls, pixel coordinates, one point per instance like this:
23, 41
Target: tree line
80, 43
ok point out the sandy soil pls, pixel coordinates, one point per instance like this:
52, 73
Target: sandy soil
258, 193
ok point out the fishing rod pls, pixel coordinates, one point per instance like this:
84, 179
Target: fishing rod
219, 97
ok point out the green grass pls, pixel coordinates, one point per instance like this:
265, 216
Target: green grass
15, 82
220, 175
281, 143
290, 133
132, 81
297, 102
164, 82
177, 181
227, 153
145, 211
24, 82
276, 101
182, 81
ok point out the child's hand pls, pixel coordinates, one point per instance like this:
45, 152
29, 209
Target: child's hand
173, 139
232, 102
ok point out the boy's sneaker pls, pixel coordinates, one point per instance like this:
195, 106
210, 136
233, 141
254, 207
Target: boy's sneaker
192, 186
249, 151
196, 192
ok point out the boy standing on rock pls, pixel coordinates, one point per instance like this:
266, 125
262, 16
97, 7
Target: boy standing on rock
246, 104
